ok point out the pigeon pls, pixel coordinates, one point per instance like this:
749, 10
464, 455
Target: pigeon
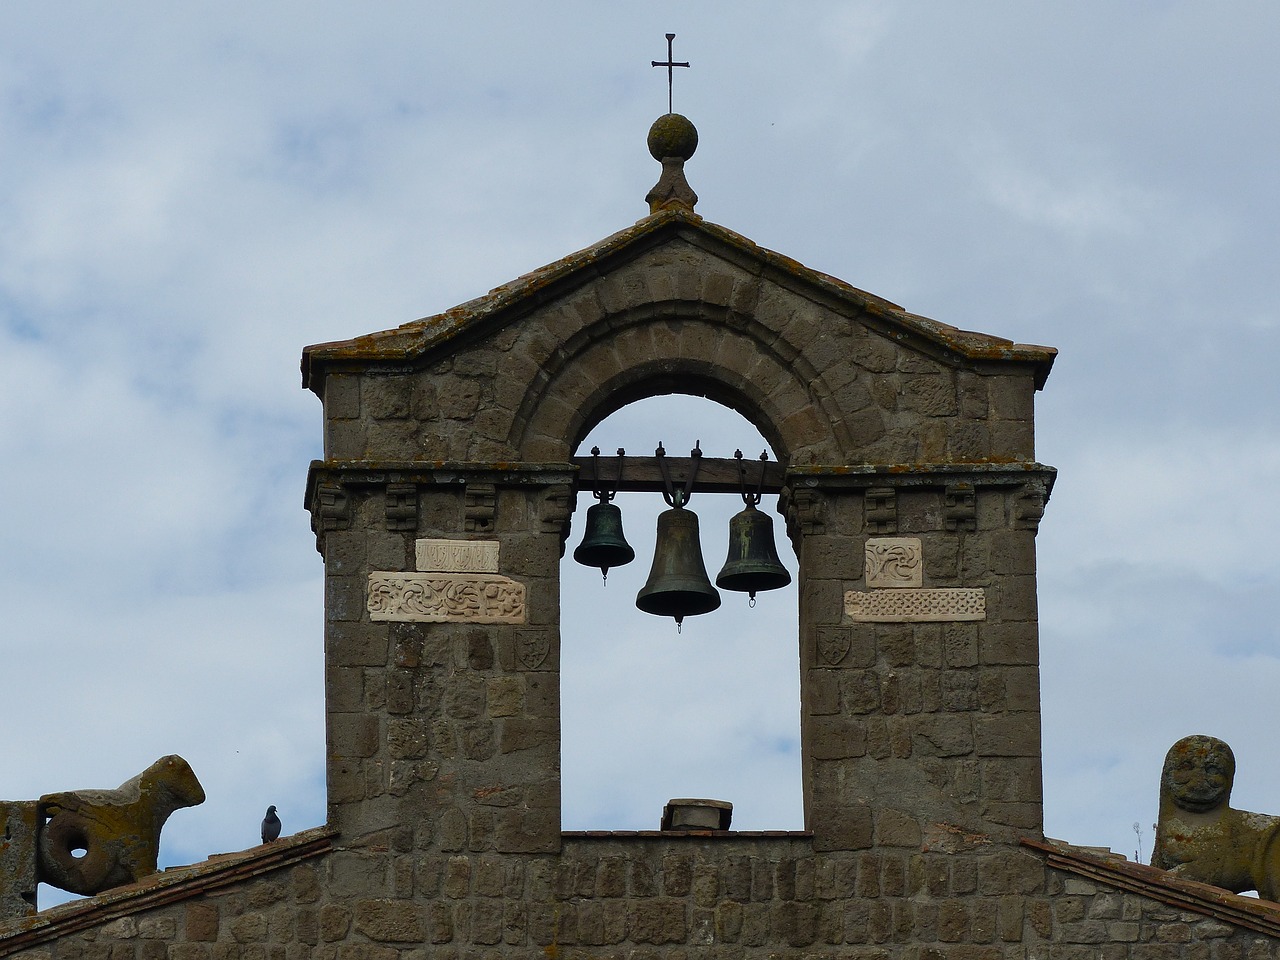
270, 825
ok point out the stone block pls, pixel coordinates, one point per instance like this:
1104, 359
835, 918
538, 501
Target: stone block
398, 921
1009, 871
943, 735
385, 397
200, 921
1014, 439
353, 735
1011, 397
860, 691
19, 827
1008, 644
1013, 736
534, 830
930, 396
656, 921
896, 828
1022, 688
822, 692
960, 644
341, 396
842, 826
834, 738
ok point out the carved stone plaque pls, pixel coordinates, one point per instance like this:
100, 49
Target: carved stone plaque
457, 556
912, 606
440, 598
894, 562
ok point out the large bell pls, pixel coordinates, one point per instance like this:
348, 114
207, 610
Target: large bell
678, 583
753, 562
603, 545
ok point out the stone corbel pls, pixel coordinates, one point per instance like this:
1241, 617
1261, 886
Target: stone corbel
880, 510
330, 510
481, 507
1028, 506
554, 511
960, 507
402, 507
805, 510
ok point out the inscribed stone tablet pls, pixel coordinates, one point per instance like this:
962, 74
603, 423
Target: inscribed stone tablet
457, 556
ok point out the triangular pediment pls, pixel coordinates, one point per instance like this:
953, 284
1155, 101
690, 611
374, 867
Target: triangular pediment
438, 336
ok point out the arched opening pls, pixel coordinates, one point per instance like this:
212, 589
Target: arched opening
649, 713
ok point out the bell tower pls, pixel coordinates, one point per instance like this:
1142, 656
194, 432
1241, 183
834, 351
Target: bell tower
908, 485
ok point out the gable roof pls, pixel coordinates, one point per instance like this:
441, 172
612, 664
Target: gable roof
1261, 916
508, 302
168, 886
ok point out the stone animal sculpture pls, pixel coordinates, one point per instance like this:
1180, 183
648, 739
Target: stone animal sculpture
1199, 836
93, 840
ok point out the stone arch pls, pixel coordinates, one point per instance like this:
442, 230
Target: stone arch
679, 347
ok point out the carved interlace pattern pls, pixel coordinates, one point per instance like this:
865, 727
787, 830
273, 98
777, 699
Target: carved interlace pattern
904, 606
893, 562
410, 597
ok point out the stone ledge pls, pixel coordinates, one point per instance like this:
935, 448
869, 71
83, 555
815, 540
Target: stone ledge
169, 886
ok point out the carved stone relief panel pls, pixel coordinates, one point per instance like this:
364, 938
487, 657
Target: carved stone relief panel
442, 597
894, 562
912, 606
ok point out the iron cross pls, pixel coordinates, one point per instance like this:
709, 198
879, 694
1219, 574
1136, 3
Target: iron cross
670, 72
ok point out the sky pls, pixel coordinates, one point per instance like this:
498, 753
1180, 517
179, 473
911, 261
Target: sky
191, 193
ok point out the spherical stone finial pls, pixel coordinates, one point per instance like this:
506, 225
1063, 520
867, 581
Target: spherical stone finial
672, 136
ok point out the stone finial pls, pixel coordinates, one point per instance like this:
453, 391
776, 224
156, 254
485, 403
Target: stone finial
1199, 836
672, 141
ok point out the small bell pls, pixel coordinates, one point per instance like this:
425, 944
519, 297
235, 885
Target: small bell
603, 545
752, 563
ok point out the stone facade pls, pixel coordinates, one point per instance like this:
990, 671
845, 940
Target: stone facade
920, 726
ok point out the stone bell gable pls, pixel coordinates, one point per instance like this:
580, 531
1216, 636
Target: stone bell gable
911, 495
902, 441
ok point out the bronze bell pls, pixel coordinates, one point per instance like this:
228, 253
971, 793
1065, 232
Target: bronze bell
752, 563
678, 584
603, 545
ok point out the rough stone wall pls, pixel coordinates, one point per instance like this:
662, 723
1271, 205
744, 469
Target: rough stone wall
632, 898
1078, 919
907, 726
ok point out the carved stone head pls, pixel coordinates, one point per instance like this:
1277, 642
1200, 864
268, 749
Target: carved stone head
1198, 773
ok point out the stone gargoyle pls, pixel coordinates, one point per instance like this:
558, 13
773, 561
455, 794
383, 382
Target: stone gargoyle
93, 840
1199, 836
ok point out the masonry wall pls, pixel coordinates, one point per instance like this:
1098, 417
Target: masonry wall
638, 897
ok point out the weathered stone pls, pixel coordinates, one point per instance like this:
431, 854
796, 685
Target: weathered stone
94, 840
1200, 836
19, 825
